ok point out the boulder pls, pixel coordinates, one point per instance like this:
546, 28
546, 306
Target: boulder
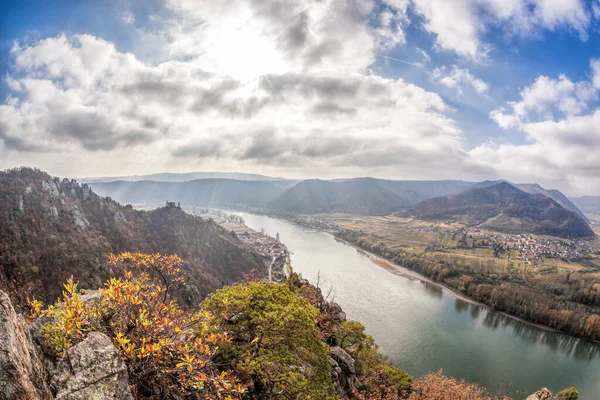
542, 394
92, 369
21, 370
343, 372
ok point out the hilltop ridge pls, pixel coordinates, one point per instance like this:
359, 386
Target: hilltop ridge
504, 207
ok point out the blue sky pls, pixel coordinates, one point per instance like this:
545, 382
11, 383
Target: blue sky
419, 89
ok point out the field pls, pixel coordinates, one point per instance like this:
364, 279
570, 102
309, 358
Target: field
417, 237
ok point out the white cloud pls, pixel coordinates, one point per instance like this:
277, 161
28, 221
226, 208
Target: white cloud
305, 100
456, 26
460, 25
459, 78
560, 154
285, 87
547, 97
560, 126
128, 18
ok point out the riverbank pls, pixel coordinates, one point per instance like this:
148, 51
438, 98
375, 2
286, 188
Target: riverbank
410, 274
407, 273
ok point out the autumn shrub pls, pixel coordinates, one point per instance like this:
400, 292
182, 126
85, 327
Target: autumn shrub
274, 340
440, 387
168, 351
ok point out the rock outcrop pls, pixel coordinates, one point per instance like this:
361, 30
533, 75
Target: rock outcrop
343, 371
542, 394
92, 369
21, 370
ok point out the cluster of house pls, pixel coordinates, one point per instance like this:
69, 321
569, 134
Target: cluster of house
264, 244
314, 222
535, 248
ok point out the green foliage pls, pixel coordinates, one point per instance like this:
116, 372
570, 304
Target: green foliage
274, 340
380, 379
568, 394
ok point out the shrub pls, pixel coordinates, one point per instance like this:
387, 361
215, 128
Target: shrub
439, 387
568, 394
168, 351
275, 341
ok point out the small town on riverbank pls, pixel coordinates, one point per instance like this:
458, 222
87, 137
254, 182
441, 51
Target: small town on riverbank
274, 252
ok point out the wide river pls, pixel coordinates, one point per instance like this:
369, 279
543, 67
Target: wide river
423, 328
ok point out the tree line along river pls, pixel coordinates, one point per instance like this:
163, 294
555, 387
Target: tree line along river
423, 328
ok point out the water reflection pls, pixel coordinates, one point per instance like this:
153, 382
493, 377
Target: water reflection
433, 290
460, 305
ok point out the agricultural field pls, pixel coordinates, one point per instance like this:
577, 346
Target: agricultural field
441, 242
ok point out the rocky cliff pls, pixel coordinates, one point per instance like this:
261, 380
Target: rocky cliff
52, 229
92, 369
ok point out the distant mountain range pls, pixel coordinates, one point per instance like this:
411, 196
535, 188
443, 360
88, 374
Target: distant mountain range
368, 196
187, 176
200, 192
506, 208
365, 196
589, 205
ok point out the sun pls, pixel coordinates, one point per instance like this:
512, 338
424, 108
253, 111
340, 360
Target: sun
245, 53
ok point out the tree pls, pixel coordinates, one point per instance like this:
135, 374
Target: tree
568, 394
275, 340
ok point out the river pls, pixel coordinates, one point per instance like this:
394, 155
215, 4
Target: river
423, 328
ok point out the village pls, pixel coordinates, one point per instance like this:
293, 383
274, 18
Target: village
530, 248
274, 252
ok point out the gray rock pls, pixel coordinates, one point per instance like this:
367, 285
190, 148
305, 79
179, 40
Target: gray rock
337, 377
53, 212
80, 221
542, 394
343, 372
50, 187
21, 370
92, 369
343, 359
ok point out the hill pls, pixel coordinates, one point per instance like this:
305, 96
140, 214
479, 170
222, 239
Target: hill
184, 177
503, 207
200, 192
534, 188
367, 196
52, 229
589, 205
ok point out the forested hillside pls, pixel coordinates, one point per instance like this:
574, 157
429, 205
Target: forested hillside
52, 229
505, 208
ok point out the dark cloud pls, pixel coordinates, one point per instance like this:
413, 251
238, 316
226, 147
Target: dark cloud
97, 132
16, 143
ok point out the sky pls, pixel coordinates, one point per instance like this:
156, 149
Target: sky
398, 89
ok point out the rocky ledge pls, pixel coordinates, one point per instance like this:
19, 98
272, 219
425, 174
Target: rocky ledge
92, 369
